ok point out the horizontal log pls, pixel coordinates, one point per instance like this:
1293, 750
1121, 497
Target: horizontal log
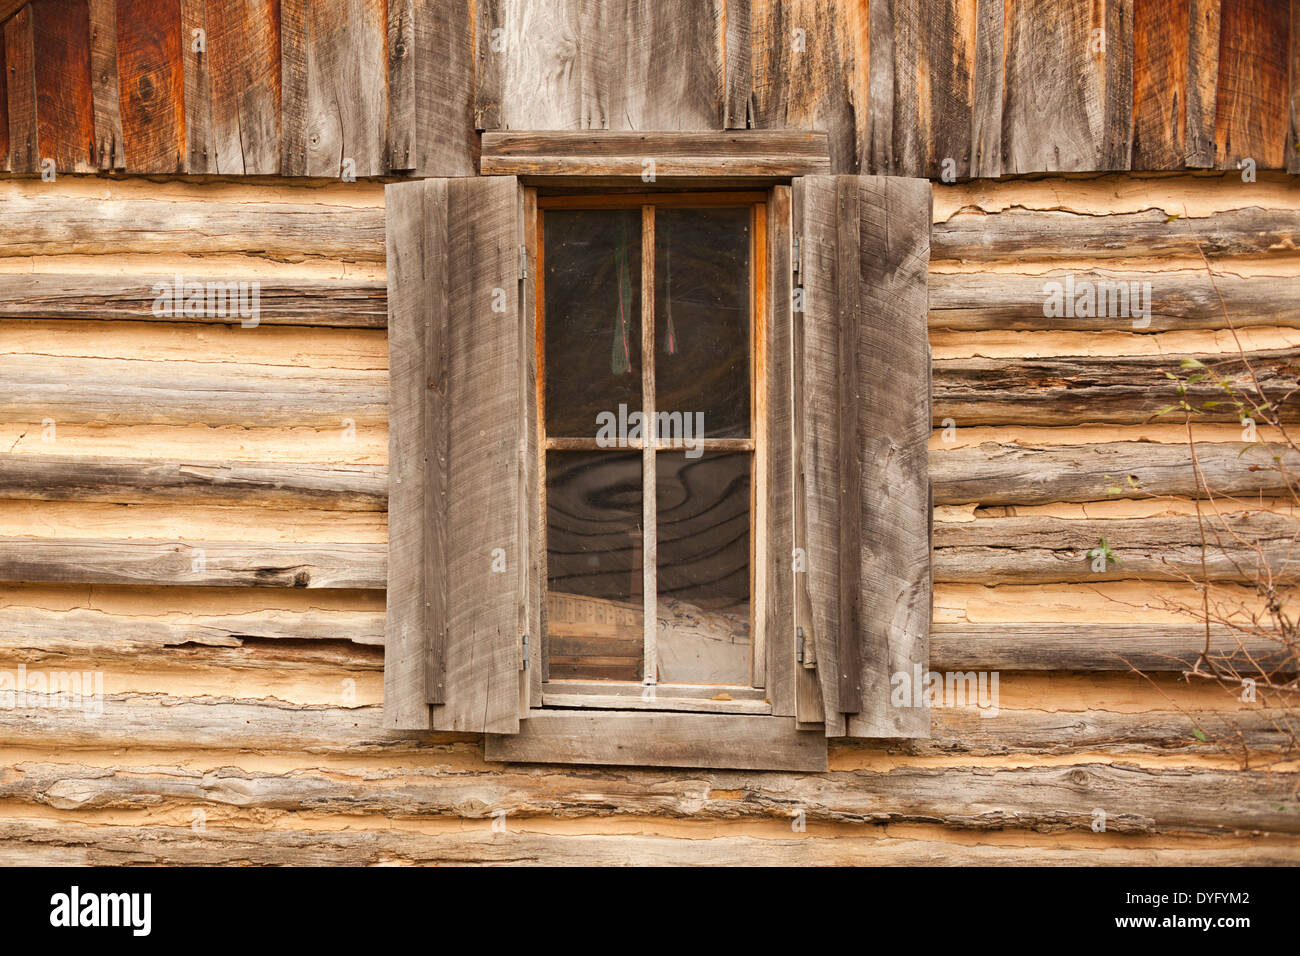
1004, 474
209, 723
336, 303
45, 222
982, 301
953, 646
1046, 799
88, 631
76, 390
1031, 550
1114, 389
1019, 233
152, 481
1098, 647
749, 153
196, 563
69, 843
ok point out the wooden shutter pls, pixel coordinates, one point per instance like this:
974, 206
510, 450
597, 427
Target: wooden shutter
462, 457
861, 425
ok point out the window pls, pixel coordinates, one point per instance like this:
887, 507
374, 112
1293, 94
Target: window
649, 426
728, 587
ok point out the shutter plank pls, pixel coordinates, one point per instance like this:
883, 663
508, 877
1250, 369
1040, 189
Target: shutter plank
484, 445
817, 397
894, 426
862, 384
416, 216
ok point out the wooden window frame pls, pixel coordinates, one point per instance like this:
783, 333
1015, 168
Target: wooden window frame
668, 696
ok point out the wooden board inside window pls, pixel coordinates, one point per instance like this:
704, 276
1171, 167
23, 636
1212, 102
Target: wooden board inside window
650, 395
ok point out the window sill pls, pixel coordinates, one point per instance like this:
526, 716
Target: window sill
657, 739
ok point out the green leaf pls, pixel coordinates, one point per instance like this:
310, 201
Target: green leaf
1114, 490
1199, 735
1191, 363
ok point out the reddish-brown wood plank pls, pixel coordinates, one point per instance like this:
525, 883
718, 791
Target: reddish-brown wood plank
103, 82
19, 63
151, 85
1251, 115
65, 124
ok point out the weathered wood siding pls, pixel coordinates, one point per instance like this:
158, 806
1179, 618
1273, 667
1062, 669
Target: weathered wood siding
945, 89
196, 510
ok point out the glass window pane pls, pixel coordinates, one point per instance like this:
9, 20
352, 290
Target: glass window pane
592, 308
594, 565
702, 504
702, 320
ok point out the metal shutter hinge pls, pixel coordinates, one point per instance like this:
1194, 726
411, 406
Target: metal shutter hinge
526, 653
523, 262
796, 260
798, 645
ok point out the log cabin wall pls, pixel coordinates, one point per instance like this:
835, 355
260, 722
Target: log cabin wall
196, 509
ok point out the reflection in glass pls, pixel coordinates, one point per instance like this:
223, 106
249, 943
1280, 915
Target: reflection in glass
594, 565
592, 293
702, 317
702, 506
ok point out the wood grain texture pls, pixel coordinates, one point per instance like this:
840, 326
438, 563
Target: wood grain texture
72, 390
737, 57
1176, 300
623, 64
999, 474
334, 65
1069, 87
1058, 234
20, 66
1096, 647
893, 379
1022, 550
1161, 50
868, 578
758, 154
33, 224
661, 740
431, 87
4, 107
109, 148
151, 480
192, 563
1117, 389
200, 156
1293, 133
243, 75
809, 65
334, 303
151, 85
1253, 93
416, 641
64, 96
1204, 22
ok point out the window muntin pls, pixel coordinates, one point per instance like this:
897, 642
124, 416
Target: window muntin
687, 341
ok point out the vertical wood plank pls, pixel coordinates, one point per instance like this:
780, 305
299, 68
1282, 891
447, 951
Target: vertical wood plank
431, 87
64, 98
24, 156
4, 107
737, 71
533, 494
109, 152
199, 155
948, 34
820, 451
243, 64
779, 608
893, 382
649, 482
622, 64
1069, 91
293, 87
483, 658
1204, 22
415, 216
880, 69
1251, 111
849, 479
986, 95
1161, 47
1293, 137
809, 66
151, 85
